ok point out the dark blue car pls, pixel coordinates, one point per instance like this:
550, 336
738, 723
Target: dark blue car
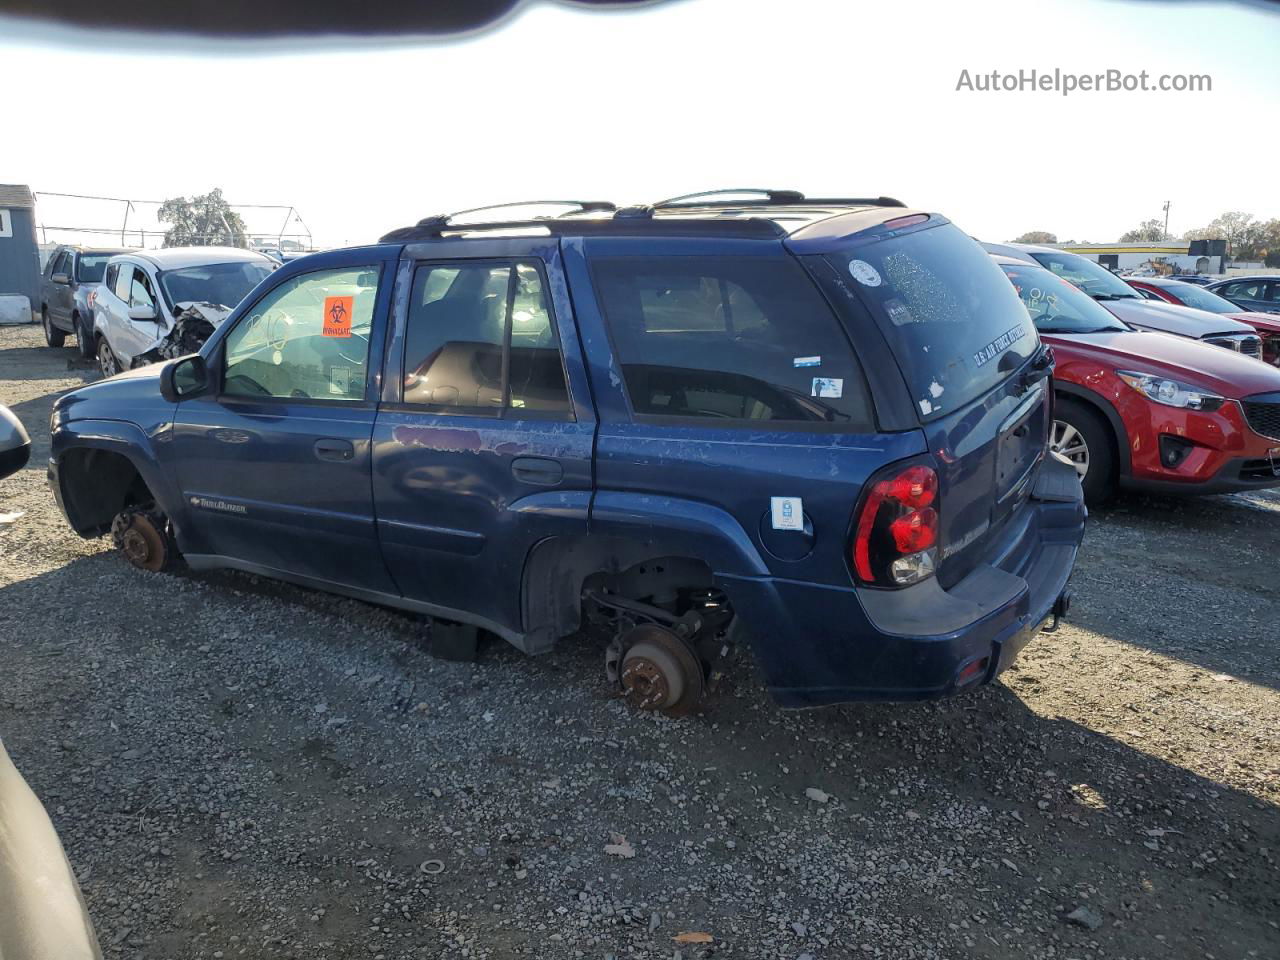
817, 425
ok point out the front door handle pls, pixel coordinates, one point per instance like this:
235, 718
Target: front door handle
537, 470
339, 451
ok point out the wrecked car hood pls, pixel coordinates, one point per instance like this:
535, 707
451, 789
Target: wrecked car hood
198, 316
214, 313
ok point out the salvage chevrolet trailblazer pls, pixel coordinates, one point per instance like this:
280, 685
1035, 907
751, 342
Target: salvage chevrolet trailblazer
820, 425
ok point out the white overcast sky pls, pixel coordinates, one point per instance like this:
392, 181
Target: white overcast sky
827, 96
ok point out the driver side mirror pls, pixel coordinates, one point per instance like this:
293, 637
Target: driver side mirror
61, 278
184, 378
143, 312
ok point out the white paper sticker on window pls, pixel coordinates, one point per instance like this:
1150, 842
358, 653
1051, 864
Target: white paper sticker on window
788, 513
864, 273
340, 380
831, 387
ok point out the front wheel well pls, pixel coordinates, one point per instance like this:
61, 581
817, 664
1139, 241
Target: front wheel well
1110, 418
97, 485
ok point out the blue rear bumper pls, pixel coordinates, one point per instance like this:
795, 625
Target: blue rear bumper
821, 645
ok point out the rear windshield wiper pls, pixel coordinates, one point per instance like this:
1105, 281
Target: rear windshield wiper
1114, 296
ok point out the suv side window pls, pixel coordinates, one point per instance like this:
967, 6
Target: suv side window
61, 263
109, 278
306, 339
124, 281
481, 339
729, 338
140, 293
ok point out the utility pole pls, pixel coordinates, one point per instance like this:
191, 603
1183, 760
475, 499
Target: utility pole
1166, 218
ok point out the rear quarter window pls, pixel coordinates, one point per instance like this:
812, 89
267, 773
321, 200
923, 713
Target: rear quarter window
729, 339
954, 323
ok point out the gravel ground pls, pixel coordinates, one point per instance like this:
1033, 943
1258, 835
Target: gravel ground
240, 768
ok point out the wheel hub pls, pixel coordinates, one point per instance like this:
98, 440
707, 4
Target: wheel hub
660, 672
141, 542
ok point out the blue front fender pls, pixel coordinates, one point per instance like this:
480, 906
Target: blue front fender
118, 437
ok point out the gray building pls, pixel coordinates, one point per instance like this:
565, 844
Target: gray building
19, 254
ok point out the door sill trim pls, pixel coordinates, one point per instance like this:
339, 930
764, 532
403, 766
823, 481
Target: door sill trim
213, 561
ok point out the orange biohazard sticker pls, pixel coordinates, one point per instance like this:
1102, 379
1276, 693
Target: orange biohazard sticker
337, 316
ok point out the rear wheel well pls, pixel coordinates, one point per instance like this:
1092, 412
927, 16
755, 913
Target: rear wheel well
97, 485
560, 569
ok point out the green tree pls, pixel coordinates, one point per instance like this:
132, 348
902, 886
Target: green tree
1247, 237
1148, 231
204, 221
1037, 236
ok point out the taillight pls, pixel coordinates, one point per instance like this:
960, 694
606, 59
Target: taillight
896, 534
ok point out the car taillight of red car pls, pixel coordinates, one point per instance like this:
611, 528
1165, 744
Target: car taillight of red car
895, 535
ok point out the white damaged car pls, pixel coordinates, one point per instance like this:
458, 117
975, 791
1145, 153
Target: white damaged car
156, 304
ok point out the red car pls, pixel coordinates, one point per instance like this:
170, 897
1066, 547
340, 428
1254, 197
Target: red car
1145, 410
1190, 295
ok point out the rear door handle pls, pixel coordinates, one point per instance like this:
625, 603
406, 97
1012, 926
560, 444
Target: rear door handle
537, 470
340, 451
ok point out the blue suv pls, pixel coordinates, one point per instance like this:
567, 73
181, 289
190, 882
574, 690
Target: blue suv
817, 424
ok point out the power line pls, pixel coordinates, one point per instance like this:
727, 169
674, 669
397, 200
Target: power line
89, 196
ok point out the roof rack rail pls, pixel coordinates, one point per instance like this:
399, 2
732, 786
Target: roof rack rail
770, 196
584, 206
433, 228
855, 201
774, 198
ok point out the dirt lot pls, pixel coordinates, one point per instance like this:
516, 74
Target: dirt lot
239, 768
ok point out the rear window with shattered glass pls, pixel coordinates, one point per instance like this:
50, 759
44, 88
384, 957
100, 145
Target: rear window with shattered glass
955, 324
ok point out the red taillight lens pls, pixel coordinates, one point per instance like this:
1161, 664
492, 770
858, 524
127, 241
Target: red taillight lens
918, 530
914, 487
897, 528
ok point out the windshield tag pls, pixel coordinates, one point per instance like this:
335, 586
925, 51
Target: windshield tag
864, 273
807, 362
829, 387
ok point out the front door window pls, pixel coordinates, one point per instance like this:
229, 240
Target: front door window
307, 339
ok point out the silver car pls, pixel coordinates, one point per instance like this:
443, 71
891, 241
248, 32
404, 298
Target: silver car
157, 304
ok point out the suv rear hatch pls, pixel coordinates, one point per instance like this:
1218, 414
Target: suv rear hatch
970, 358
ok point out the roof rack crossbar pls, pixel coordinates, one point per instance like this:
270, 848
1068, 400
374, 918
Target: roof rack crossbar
582, 205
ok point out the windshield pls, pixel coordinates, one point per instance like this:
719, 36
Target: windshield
224, 284
1201, 299
90, 267
952, 321
1057, 306
1093, 278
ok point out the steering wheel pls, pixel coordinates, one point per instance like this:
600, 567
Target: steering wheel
355, 361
